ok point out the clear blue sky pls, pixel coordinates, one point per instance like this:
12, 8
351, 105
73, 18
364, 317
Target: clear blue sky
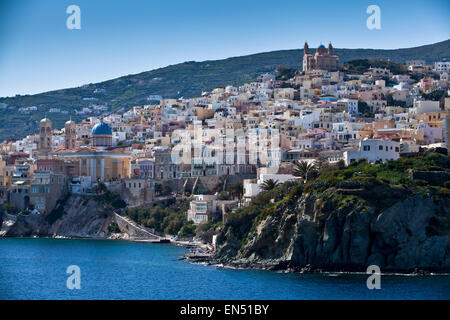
38, 53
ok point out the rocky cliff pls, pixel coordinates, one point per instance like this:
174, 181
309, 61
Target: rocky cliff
346, 225
75, 216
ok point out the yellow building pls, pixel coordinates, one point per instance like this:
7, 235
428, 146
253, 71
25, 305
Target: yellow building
104, 165
203, 113
434, 119
100, 161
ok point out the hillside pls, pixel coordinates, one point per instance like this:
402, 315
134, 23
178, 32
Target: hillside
181, 80
347, 219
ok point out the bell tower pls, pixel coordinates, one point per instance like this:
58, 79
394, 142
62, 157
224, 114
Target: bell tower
45, 135
69, 134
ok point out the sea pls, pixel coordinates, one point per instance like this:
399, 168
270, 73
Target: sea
39, 268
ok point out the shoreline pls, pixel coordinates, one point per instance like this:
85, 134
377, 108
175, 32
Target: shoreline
310, 270
326, 272
211, 262
186, 244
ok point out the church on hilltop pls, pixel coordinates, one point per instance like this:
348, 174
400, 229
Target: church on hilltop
323, 59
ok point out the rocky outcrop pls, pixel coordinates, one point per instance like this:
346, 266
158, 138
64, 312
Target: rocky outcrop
81, 216
78, 217
345, 230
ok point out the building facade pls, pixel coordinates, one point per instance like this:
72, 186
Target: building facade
45, 135
323, 59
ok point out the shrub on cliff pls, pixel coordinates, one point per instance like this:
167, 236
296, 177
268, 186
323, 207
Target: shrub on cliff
108, 197
114, 228
9, 208
188, 230
167, 216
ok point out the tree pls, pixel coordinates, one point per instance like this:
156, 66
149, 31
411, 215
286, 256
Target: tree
269, 185
285, 73
166, 188
340, 164
10, 208
158, 189
223, 195
236, 190
303, 169
100, 188
188, 230
173, 227
365, 110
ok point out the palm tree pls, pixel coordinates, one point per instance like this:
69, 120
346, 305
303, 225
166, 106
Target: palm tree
269, 184
303, 169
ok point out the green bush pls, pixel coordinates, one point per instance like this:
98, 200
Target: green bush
188, 230
167, 216
114, 227
106, 196
10, 208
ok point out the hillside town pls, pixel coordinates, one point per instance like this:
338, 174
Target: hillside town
218, 150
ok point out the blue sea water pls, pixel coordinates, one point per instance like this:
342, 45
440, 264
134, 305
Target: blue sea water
36, 269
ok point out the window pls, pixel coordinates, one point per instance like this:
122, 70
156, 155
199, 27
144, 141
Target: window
380, 148
366, 148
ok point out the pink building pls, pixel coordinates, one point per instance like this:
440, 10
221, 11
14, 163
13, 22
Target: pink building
426, 84
370, 95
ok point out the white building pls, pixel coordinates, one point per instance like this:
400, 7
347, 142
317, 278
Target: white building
201, 208
424, 106
442, 66
352, 105
252, 187
374, 150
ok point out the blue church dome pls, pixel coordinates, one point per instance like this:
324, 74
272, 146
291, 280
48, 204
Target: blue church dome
101, 129
322, 46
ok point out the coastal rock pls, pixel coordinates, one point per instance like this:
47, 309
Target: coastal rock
81, 217
408, 232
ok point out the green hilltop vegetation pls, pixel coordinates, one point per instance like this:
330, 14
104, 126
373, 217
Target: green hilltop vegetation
362, 65
380, 185
186, 79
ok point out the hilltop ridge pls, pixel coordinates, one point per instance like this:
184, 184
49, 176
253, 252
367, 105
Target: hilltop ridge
186, 79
